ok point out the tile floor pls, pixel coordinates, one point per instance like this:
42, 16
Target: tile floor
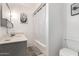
33, 51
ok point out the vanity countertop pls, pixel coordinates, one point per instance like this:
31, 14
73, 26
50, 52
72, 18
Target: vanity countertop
16, 38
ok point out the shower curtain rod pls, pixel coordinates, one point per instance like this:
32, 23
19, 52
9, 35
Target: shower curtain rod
39, 8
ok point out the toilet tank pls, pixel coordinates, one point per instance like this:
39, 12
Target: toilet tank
72, 44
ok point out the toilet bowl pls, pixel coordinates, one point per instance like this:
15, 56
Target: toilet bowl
67, 52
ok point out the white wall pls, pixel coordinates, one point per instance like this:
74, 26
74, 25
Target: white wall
40, 26
2, 29
2, 32
57, 26
27, 29
36, 27
72, 33
72, 25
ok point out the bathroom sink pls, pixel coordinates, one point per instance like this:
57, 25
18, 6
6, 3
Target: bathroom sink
12, 35
7, 40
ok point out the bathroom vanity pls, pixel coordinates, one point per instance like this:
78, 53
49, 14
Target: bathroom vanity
13, 46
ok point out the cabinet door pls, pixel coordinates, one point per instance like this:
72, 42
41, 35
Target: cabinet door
13, 49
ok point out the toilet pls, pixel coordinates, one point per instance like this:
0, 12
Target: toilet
67, 52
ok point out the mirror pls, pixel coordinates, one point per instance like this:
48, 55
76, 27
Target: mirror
6, 21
